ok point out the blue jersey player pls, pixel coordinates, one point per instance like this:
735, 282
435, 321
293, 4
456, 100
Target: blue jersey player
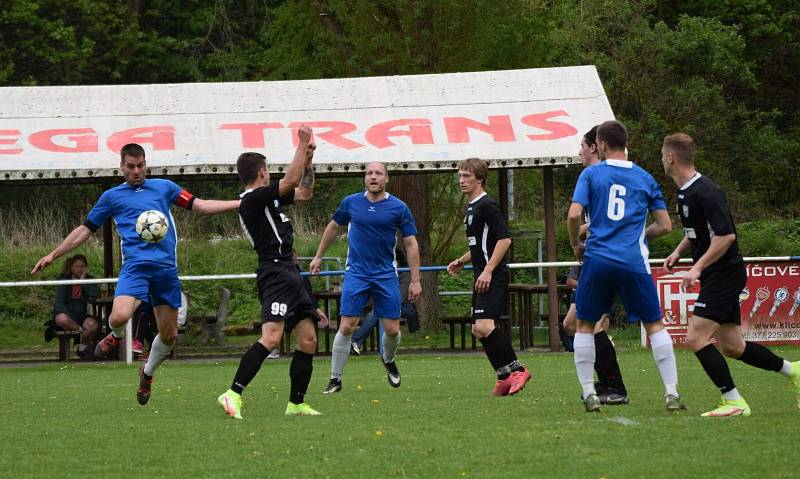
374, 218
619, 196
149, 270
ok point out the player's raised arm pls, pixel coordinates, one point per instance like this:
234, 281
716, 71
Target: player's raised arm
294, 173
305, 191
212, 207
74, 239
327, 238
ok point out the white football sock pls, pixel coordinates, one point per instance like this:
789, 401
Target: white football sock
158, 353
732, 394
584, 361
390, 344
339, 354
786, 370
664, 356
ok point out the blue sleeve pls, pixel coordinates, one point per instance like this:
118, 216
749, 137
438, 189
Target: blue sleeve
342, 214
172, 190
583, 189
656, 197
407, 225
100, 212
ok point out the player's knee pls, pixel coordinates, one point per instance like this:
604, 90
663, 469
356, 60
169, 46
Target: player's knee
347, 329
307, 344
481, 330
168, 337
731, 350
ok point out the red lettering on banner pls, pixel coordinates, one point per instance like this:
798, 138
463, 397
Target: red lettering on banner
557, 129
499, 127
252, 133
162, 137
10, 141
84, 139
334, 136
419, 131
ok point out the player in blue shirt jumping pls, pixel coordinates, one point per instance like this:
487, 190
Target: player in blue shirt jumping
150, 270
619, 196
374, 217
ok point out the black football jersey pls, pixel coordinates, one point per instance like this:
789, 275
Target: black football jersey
266, 225
484, 224
704, 214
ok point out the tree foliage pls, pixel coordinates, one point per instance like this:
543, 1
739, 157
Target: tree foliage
725, 72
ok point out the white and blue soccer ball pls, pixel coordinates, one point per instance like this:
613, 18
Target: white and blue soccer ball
152, 226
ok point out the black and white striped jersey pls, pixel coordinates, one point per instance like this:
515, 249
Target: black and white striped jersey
485, 225
265, 224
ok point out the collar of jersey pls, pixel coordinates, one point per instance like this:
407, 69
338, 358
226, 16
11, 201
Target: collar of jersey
479, 197
620, 163
385, 196
691, 181
241, 195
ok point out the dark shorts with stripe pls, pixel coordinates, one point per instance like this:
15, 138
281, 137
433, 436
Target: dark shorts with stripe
719, 293
283, 296
492, 303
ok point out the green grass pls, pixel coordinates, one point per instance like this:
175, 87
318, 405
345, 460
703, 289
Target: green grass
83, 420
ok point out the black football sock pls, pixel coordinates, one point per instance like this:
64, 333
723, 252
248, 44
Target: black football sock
757, 355
249, 366
605, 363
300, 375
716, 368
500, 352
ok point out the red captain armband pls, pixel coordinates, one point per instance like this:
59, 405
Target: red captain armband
184, 199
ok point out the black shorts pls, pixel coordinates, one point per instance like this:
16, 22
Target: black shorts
492, 303
719, 294
283, 296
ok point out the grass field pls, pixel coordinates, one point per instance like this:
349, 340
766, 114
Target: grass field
83, 420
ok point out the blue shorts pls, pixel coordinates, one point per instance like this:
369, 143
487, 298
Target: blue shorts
385, 294
598, 283
152, 283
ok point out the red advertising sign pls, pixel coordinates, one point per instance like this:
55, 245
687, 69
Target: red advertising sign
770, 303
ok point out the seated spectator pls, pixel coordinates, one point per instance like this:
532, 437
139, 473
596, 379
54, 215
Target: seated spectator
71, 303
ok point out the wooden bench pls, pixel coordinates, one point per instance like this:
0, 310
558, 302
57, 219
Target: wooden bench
210, 327
502, 322
64, 343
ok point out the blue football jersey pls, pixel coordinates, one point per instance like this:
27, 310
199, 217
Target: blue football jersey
371, 237
619, 196
125, 203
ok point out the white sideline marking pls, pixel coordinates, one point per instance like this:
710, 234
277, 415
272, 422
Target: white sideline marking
624, 421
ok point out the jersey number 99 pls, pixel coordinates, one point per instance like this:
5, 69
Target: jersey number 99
616, 204
278, 309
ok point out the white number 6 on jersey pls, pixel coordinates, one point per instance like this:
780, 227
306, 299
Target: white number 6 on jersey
616, 205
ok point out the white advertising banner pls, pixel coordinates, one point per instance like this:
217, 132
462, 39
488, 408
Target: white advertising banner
514, 118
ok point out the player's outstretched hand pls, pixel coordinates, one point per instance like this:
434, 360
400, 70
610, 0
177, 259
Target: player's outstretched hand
455, 267
43, 263
687, 282
483, 281
315, 264
310, 153
671, 261
579, 249
304, 135
414, 290
324, 322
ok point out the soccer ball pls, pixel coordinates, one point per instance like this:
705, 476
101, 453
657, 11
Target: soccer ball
152, 226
